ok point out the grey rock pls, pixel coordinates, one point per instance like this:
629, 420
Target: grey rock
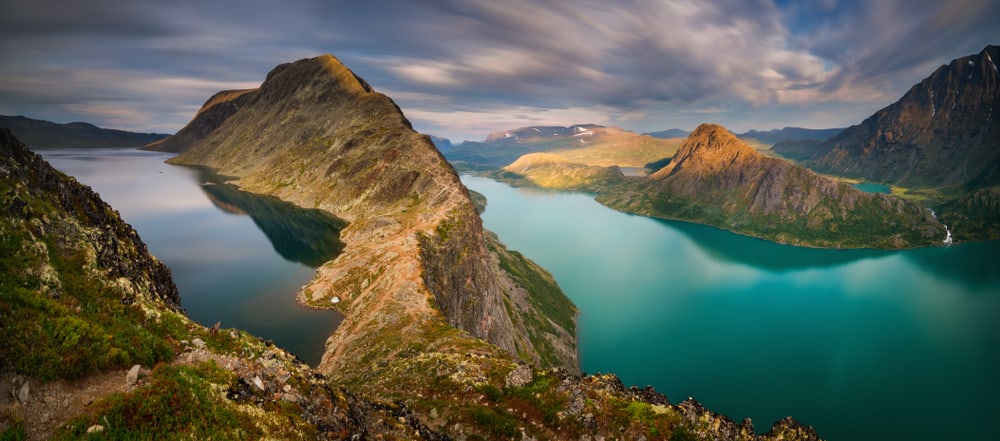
96, 428
132, 377
24, 392
257, 382
520, 376
198, 343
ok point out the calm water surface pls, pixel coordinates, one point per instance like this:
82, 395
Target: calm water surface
236, 258
871, 187
862, 345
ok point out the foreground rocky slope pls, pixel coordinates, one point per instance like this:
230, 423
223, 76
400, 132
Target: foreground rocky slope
83, 301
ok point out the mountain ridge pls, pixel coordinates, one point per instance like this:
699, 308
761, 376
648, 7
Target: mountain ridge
47, 134
941, 132
317, 135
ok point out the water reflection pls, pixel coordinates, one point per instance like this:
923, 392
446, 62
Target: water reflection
765, 255
977, 268
760, 330
225, 267
307, 236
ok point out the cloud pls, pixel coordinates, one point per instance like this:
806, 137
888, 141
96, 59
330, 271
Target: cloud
458, 66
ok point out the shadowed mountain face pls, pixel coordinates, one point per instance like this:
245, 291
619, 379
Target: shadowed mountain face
316, 135
46, 134
718, 180
944, 131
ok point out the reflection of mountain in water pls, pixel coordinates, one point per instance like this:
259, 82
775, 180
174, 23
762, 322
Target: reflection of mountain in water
307, 236
766, 255
977, 268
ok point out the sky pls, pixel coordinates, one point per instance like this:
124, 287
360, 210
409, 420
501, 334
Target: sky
465, 68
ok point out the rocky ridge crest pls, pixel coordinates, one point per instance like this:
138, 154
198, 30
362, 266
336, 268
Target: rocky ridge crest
317, 135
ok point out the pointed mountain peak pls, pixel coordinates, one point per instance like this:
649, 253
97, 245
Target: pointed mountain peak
708, 147
322, 73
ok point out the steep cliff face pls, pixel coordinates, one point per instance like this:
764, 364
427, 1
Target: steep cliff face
942, 132
717, 179
317, 135
78, 223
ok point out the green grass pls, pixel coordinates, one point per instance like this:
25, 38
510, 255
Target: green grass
82, 331
183, 402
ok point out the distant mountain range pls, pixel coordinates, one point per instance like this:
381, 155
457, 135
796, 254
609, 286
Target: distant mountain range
772, 136
669, 133
584, 143
940, 142
944, 131
442, 144
38, 133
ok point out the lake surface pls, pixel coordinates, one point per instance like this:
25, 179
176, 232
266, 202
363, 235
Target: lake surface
237, 258
870, 187
861, 344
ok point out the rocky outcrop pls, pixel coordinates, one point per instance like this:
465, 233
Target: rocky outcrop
38, 133
717, 179
415, 252
80, 222
942, 132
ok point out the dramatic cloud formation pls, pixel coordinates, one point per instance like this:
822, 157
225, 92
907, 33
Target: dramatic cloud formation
463, 68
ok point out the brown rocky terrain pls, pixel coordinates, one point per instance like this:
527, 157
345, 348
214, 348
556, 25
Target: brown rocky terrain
317, 135
717, 179
944, 131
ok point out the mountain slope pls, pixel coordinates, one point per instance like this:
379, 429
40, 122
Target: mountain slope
415, 251
942, 132
718, 180
212, 114
46, 134
548, 170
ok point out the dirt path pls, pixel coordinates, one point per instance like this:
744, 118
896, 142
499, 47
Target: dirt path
48, 406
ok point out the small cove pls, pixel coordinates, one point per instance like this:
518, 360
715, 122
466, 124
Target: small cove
861, 344
237, 258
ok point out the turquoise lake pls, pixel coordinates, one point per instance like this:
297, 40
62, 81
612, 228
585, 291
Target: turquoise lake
870, 187
237, 258
860, 344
